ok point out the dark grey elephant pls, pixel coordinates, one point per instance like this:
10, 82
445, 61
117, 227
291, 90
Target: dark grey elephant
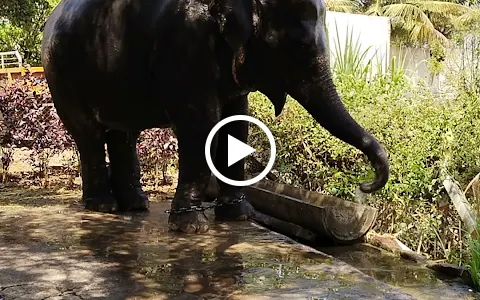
117, 67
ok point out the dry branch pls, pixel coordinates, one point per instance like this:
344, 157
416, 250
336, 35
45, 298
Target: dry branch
461, 204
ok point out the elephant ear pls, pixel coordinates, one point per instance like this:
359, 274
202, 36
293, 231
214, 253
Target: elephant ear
236, 22
235, 19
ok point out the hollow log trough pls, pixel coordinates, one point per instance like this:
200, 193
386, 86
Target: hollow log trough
306, 214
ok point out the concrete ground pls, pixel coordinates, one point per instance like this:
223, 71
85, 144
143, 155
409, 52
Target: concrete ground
50, 248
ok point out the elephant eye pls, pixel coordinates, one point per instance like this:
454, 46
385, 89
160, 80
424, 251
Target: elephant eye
300, 34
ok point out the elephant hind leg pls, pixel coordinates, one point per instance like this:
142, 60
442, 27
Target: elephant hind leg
70, 97
125, 171
90, 139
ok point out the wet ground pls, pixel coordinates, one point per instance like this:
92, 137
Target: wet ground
409, 276
50, 248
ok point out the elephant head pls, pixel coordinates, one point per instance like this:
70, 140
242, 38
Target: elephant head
279, 47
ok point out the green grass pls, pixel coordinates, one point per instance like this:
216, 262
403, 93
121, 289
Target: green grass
351, 59
474, 262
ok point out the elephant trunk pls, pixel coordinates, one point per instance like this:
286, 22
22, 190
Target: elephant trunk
321, 100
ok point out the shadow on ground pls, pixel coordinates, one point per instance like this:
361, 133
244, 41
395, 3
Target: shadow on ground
53, 249
49, 249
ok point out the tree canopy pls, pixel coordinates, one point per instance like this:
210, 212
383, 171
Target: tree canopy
21, 24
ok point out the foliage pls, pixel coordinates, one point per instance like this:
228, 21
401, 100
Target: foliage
22, 12
30, 117
21, 23
32, 122
346, 6
11, 37
422, 133
412, 129
26, 41
467, 71
465, 78
474, 263
437, 56
351, 58
419, 20
469, 20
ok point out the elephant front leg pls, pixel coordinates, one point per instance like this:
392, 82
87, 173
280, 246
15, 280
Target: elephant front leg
233, 205
194, 174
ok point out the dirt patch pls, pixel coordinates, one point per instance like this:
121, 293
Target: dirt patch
63, 175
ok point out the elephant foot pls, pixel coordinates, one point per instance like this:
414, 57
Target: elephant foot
237, 209
105, 204
188, 222
132, 200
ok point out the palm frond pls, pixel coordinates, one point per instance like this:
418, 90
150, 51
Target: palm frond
411, 14
414, 20
441, 7
372, 10
469, 19
346, 6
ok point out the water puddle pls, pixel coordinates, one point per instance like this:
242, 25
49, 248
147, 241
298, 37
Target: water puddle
407, 275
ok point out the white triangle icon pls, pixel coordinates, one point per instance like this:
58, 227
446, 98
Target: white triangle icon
237, 150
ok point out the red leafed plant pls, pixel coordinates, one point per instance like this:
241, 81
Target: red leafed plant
30, 120
157, 148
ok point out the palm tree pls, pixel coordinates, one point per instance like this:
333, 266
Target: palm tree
419, 21
346, 6
470, 19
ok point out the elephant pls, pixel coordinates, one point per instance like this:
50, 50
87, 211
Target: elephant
117, 67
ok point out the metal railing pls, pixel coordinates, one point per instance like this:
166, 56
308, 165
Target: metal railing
10, 59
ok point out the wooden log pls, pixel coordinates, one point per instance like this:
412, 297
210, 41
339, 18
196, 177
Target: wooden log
286, 228
213, 188
392, 244
329, 217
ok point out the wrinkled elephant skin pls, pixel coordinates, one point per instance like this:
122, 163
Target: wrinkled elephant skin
117, 67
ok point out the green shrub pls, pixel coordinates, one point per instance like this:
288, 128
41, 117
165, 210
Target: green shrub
417, 130
474, 262
425, 135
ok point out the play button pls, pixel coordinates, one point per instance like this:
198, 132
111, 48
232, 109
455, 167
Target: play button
238, 150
